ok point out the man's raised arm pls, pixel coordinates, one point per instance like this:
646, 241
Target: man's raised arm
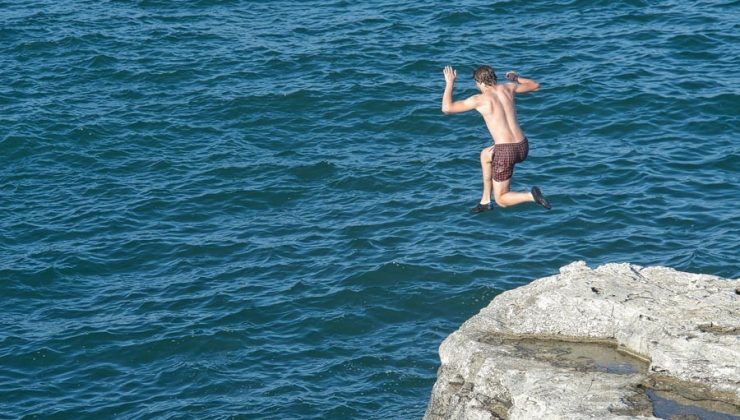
448, 105
522, 85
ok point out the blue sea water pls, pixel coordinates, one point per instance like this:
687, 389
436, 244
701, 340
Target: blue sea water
222, 208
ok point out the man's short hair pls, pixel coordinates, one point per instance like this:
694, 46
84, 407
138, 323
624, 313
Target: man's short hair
485, 75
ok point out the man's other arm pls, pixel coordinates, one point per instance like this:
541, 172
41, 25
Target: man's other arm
521, 85
526, 85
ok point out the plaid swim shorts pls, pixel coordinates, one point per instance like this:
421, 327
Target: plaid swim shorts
505, 156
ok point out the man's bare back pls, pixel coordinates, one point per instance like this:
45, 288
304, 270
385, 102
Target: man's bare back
497, 106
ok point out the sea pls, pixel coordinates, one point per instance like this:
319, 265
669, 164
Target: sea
257, 210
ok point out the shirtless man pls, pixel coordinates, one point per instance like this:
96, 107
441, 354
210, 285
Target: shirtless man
496, 104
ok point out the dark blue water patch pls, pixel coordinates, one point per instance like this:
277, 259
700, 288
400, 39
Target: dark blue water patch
664, 407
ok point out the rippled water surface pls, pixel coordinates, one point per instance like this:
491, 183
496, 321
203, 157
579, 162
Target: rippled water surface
217, 208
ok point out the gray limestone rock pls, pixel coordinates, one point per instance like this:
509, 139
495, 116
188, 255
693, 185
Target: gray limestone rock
595, 344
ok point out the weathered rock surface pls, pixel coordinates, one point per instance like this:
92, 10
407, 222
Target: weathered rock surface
556, 347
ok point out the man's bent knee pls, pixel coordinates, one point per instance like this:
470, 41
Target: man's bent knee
499, 193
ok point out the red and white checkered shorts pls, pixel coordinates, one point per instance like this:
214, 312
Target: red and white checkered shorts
505, 156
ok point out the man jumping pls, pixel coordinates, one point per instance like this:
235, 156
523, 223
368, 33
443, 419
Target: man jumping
496, 104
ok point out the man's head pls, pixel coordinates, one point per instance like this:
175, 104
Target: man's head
485, 75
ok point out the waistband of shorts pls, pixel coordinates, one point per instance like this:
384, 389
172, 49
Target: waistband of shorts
524, 140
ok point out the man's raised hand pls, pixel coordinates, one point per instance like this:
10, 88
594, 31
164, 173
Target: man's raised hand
450, 74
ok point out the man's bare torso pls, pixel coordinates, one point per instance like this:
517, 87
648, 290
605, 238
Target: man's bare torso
496, 105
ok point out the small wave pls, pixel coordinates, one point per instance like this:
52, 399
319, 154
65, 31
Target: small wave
320, 170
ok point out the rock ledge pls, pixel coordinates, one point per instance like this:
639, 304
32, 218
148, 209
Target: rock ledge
604, 343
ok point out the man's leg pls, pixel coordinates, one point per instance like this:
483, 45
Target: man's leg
506, 198
486, 168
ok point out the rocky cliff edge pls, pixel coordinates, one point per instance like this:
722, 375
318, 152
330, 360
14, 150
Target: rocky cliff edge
609, 342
